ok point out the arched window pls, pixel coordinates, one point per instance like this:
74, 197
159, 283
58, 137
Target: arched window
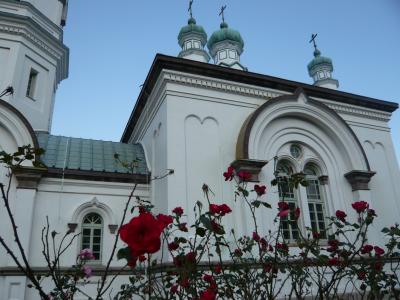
316, 204
288, 194
92, 234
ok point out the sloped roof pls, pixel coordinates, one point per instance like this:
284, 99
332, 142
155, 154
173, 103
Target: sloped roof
89, 155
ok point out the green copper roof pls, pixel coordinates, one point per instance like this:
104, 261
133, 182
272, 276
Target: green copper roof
192, 27
89, 155
319, 60
225, 33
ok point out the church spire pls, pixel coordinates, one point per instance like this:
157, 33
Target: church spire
226, 45
321, 68
192, 38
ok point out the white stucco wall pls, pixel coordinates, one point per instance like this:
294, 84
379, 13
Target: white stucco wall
204, 117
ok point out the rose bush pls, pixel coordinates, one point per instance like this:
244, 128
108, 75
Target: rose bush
209, 263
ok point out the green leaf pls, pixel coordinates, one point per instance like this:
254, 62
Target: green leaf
124, 253
200, 231
182, 240
206, 222
267, 205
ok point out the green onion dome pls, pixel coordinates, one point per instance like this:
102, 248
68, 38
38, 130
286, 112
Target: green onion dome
320, 60
223, 34
192, 28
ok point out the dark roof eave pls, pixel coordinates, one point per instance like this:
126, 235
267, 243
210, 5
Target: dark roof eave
98, 176
209, 70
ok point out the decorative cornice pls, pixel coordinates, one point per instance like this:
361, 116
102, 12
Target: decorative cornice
357, 111
242, 89
251, 166
359, 179
28, 178
23, 7
221, 85
27, 28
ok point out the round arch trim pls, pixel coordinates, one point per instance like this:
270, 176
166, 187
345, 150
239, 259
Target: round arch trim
21, 117
242, 145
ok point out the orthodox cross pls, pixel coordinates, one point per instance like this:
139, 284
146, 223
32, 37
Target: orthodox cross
190, 8
222, 13
313, 36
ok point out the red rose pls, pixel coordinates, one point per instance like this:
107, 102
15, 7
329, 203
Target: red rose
283, 209
208, 295
184, 282
360, 206
297, 213
173, 246
361, 275
217, 269
256, 237
190, 258
316, 235
208, 278
165, 220
263, 244
238, 252
183, 227
244, 175
142, 209
378, 267
178, 211
224, 209
142, 258
267, 268
260, 189
367, 249
174, 289
341, 215
282, 247
379, 251
132, 262
229, 174
214, 209
142, 234
334, 261
333, 245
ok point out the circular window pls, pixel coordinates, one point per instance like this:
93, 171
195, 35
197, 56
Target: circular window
295, 150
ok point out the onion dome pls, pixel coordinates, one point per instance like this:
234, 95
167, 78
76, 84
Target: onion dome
225, 34
320, 69
192, 38
225, 46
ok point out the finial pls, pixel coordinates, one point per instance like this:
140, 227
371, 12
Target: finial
190, 8
313, 36
222, 13
316, 51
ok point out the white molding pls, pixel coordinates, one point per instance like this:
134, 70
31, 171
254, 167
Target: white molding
354, 110
44, 41
221, 85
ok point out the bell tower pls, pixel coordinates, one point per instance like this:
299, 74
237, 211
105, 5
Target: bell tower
33, 57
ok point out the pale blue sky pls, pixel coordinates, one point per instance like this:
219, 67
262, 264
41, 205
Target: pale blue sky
113, 43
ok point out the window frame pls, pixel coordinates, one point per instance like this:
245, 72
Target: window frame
293, 202
321, 200
32, 84
92, 227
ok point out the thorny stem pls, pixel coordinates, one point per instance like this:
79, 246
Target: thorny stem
100, 291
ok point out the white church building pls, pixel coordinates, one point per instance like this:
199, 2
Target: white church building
197, 113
